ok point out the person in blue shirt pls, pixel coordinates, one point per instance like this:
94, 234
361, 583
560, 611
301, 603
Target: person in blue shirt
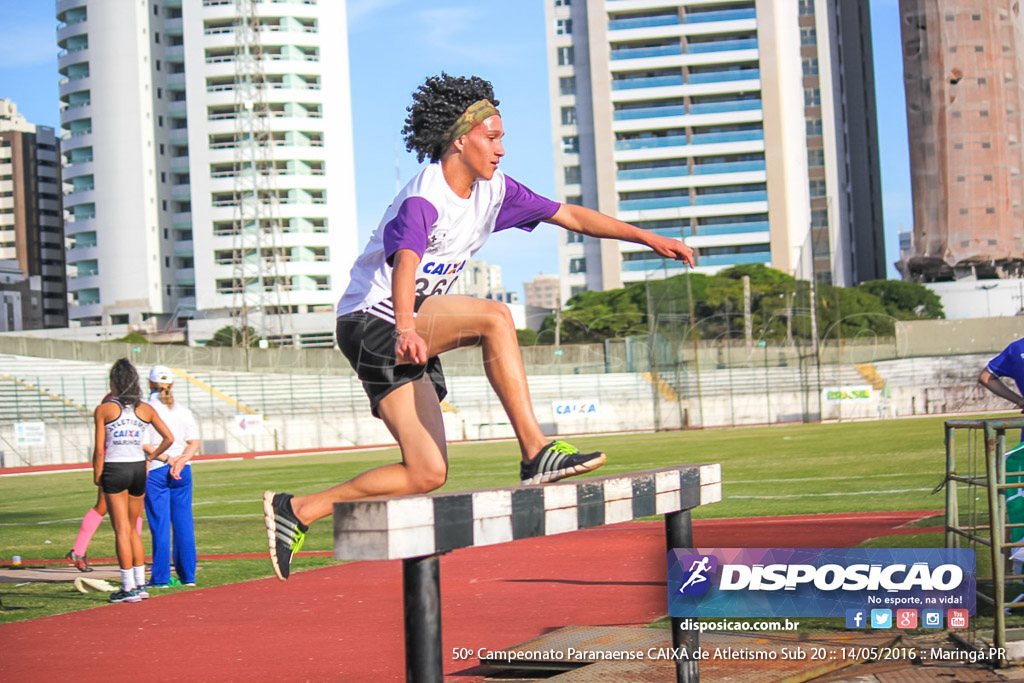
1009, 363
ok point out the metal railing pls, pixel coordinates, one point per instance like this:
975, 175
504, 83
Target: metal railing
987, 526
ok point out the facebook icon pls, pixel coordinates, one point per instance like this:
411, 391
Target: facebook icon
855, 618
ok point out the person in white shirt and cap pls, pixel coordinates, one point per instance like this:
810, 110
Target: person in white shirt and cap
169, 487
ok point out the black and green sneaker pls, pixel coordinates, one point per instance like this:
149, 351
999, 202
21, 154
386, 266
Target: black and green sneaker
285, 533
558, 460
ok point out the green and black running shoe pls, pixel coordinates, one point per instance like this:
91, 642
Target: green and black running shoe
558, 460
285, 533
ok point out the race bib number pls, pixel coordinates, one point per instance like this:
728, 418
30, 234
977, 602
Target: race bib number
437, 278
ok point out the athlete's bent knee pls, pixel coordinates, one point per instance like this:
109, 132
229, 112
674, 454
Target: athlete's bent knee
499, 319
428, 478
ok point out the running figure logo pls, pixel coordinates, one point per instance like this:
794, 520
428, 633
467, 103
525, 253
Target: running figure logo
697, 581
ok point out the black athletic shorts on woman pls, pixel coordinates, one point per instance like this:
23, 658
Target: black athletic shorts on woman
368, 343
124, 476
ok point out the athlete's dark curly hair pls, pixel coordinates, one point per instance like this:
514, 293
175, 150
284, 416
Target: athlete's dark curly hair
435, 107
125, 380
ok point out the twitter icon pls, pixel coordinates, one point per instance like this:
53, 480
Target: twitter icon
881, 618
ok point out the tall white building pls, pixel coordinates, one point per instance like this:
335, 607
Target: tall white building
744, 126
152, 141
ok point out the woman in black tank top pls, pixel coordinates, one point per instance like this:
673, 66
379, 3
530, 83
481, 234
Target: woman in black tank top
124, 483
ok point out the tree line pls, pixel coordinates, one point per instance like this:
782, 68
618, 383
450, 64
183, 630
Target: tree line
780, 308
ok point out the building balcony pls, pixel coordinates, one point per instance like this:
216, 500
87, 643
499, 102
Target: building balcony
65, 5
649, 82
729, 167
185, 276
723, 76
68, 85
732, 229
74, 226
181, 192
183, 219
77, 55
720, 15
730, 198
722, 46
184, 248
83, 282
65, 31
649, 173
654, 203
86, 252
642, 22
82, 197
642, 52
78, 169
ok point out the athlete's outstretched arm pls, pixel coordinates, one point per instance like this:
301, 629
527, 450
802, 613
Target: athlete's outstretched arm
996, 386
595, 224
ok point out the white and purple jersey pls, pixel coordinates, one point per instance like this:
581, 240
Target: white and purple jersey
427, 217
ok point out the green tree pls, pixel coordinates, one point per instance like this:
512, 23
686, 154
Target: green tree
526, 337
132, 338
232, 336
906, 300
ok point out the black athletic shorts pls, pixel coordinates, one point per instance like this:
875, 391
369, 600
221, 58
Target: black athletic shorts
368, 343
124, 476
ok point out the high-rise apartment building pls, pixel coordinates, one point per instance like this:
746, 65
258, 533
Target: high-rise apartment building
157, 112
543, 291
31, 228
746, 127
963, 65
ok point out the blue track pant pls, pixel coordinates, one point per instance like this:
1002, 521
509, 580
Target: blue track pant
169, 503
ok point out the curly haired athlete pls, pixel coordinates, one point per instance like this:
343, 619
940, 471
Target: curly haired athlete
396, 317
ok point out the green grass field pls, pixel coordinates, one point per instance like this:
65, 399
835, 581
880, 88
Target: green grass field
799, 469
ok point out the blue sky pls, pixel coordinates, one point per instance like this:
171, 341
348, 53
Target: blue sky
394, 44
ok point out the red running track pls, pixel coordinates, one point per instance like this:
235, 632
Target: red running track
345, 622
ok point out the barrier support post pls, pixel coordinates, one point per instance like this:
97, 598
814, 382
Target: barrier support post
679, 534
421, 594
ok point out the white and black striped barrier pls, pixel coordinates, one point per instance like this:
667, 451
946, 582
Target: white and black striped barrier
418, 529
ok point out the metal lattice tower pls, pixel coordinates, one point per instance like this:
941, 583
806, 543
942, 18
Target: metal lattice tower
258, 287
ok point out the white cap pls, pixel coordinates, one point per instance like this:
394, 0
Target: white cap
161, 374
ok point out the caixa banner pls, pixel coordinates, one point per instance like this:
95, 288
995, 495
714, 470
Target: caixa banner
817, 582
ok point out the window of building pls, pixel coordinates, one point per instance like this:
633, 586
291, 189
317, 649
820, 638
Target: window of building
815, 157
572, 175
567, 85
563, 27
161, 148
819, 218
158, 65
156, 10
577, 289
812, 97
817, 187
573, 237
571, 144
577, 265
813, 127
159, 93
806, 7
566, 56
808, 36
568, 116
574, 199
810, 66
563, 3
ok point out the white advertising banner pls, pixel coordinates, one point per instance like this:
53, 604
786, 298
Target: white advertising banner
581, 408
